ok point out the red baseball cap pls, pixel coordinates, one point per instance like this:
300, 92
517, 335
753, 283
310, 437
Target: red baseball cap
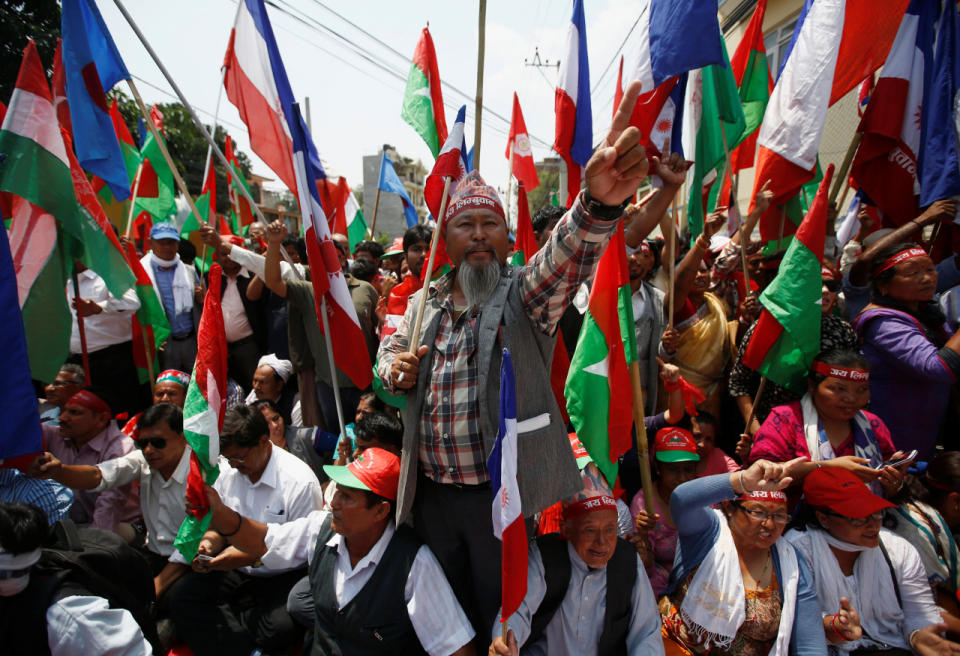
841, 492
675, 445
376, 470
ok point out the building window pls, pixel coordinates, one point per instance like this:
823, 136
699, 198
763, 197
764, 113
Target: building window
776, 42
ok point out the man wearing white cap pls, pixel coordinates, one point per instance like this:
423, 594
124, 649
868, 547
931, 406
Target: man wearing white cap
270, 384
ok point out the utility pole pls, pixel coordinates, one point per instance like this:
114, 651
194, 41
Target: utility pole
478, 112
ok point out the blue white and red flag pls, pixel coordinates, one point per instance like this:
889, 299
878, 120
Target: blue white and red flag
508, 523
574, 127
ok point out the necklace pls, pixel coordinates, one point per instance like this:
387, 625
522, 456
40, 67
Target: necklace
756, 586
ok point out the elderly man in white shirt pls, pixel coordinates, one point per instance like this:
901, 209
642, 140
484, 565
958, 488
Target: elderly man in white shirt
106, 323
375, 586
232, 602
160, 463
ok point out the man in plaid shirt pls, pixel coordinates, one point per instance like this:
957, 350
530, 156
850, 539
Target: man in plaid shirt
451, 417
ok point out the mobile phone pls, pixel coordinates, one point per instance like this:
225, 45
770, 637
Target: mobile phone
204, 558
910, 457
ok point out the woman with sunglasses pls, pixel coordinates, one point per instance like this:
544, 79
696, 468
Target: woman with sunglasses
736, 587
872, 589
915, 359
830, 426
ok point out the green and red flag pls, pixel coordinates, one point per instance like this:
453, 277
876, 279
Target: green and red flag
203, 412
150, 327
234, 180
40, 198
156, 194
597, 391
787, 334
423, 98
128, 147
713, 113
749, 64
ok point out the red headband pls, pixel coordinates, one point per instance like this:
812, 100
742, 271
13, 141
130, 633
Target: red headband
773, 496
593, 504
833, 371
474, 202
90, 401
902, 256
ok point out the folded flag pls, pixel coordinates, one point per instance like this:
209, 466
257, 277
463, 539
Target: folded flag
574, 124
423, 97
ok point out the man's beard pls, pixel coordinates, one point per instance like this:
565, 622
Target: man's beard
478, 282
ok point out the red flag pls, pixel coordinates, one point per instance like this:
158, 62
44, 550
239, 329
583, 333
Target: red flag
210, 186
618, 92
243, 206
526, 239
119, 125
524, 168
59, 84
157, 117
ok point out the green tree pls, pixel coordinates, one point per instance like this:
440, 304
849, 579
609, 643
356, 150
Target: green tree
21, 20
187, 146
540, 196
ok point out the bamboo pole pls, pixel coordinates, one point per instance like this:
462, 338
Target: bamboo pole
640, 429
783, 220
478, 109
753, 407
133, 199
376, 202
147, 349
671, 260
845, 166
85, 358
509, 184
415, 335
734, 185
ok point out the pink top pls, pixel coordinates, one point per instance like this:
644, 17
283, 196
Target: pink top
663, 543
781, 437
106, 509
718, 462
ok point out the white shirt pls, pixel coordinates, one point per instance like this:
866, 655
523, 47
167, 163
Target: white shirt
576, 627
256, 263
287, 490
112, 326
235, 322
87, 625
161, 501
436, 616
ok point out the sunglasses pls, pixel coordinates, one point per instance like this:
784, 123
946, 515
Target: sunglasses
156, 442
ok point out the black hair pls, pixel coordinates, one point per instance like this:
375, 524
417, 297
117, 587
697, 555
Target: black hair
382, 427
416, 234
187, 251
806, 516
23, 527
373, 499
940, 479
838, 358
705, 418
298, 244
362, 269
375, 248
544, 216
928, 314
340, 247
374, 400
167, 413
243, 426
266, 403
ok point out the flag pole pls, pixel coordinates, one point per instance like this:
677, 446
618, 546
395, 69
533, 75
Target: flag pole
415, 335
734, 184
197, 123
671, 259
640, 429
756, 400
80, 328
509, 185
147, 349
376, 201
133, 199
783, 218
333, 367
478, 110
845, 166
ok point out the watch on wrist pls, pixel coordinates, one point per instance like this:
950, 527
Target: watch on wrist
596, 208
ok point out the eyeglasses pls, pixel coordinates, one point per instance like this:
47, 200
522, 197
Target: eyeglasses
233, 460
156, 442
859, 521
763, 515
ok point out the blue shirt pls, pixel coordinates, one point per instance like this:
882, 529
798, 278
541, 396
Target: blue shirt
47, 495
182, 324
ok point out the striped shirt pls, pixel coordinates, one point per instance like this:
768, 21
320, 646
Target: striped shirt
450, 439
46, 494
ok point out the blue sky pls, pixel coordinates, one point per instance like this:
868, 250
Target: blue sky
355, 106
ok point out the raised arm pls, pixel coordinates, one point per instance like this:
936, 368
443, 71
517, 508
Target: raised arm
673, 171
687, 270
272, 276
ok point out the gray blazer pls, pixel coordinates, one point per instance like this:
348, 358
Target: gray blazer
547, 470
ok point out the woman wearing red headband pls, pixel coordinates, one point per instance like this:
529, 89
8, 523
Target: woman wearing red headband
914, 358
737, 587
829, 425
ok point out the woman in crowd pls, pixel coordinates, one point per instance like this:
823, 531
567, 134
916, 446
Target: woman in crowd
699, 343
737, 588
713, 460
674, 462
302, 441
648, 316
830, 423
914, 359
835, 334
927, 515
870, 583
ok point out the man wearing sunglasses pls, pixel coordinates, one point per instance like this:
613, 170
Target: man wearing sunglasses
160, 463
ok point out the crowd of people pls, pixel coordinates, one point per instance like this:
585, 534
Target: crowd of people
780, 521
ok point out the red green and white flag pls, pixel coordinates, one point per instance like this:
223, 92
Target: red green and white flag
156, 194
597, 391
423, 99
203, 412
787, 335
150, 319
749, 63
36, 175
